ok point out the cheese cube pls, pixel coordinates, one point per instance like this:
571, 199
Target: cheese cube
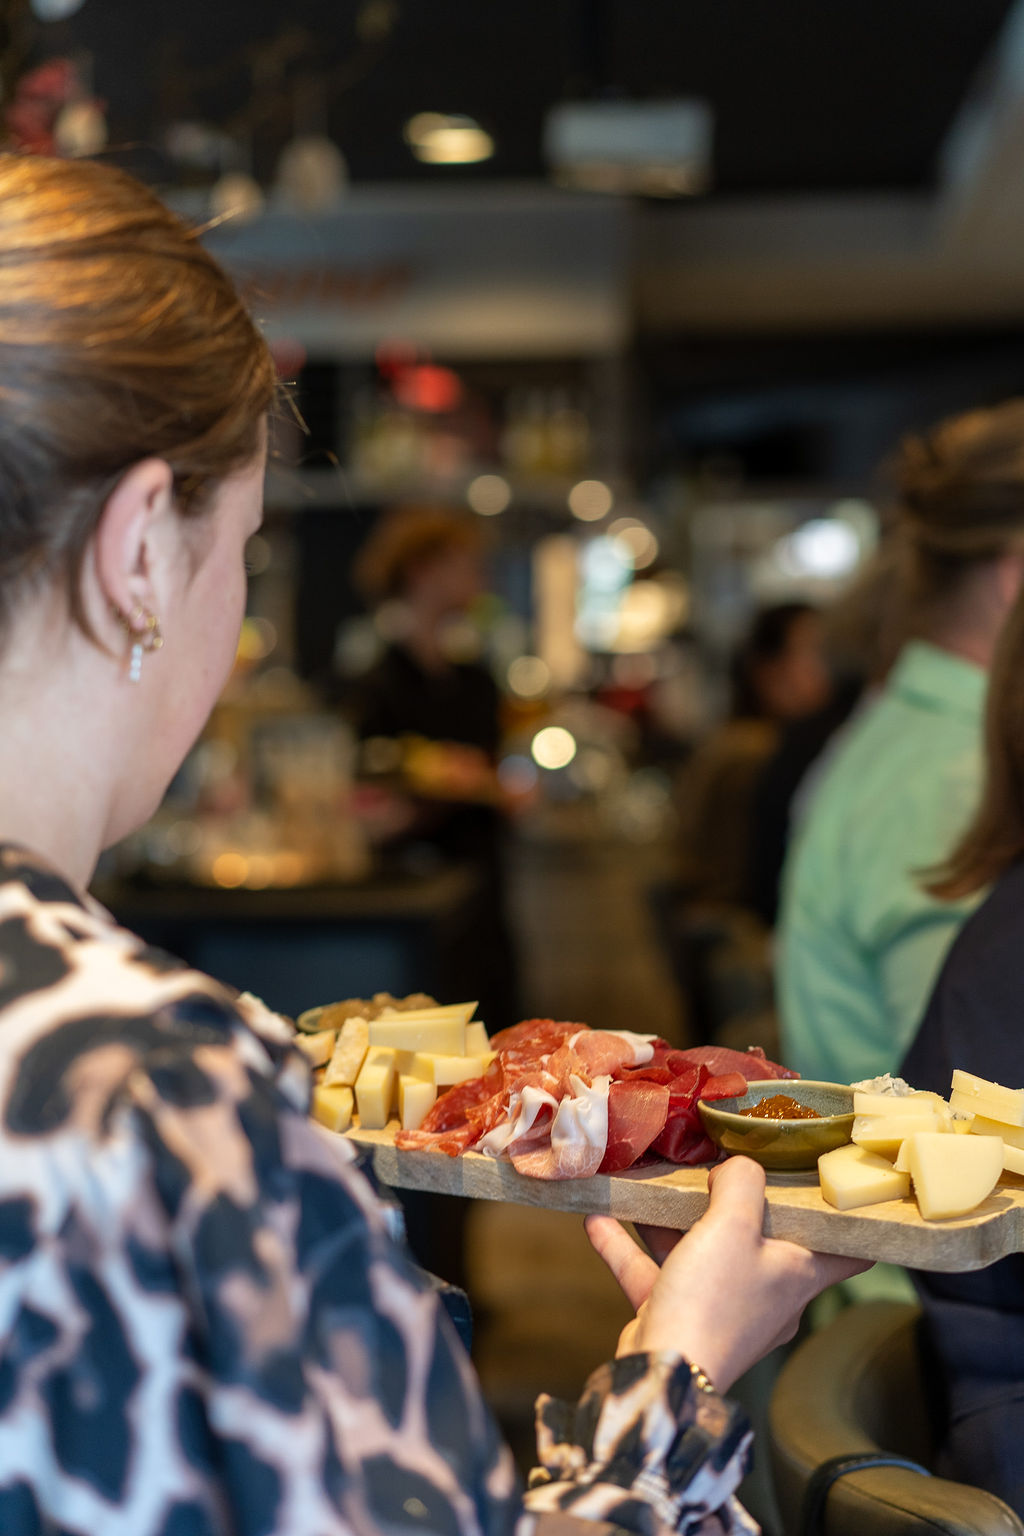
439, 1036
415, 1098
976, 1095
477, 1042
953, 1174
850, 1176
353, 1040
374, 1088
333, 1106
1013, 1159
884, 1134
316, 1048
895, 1103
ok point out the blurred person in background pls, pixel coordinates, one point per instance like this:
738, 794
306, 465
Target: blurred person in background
210, 1324
974, 1323
860, 941
425, 565
778, 674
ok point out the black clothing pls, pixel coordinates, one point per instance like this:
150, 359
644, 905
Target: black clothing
800, 744
974, 1323
403, 698
460, 704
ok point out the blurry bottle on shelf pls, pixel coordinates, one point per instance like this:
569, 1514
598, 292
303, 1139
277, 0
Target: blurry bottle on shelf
568, 436
545, 435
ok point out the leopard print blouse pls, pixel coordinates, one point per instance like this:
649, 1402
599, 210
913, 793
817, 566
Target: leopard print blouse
206, 1327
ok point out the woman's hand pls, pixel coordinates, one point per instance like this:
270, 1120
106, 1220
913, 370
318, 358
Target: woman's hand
725, 1294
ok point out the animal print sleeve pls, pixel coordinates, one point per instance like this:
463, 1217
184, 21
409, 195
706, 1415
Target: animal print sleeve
326, 1389
643, 1450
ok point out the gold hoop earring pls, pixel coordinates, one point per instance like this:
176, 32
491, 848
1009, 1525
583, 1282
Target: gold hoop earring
143, 629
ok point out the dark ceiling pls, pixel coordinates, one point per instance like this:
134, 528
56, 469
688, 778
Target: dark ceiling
808, 95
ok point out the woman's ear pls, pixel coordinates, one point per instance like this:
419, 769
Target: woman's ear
132, 547
1009, 577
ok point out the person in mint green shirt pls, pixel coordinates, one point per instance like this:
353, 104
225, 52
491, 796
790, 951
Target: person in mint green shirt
860, 942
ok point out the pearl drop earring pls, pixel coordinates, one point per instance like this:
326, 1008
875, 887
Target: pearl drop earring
143, 629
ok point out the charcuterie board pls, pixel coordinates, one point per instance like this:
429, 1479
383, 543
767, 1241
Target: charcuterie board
663, 1194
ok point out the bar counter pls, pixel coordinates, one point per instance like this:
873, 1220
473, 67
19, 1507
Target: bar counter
298, 947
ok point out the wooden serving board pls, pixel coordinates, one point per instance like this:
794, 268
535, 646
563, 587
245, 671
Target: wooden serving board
668, 1196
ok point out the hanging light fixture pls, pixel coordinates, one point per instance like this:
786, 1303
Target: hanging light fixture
55, 10
448, 138
236, 196
80, 129
312, 174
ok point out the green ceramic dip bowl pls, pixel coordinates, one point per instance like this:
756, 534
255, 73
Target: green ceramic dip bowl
782, 1144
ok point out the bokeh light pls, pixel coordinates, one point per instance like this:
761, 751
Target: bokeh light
590, 500
529, 677
488, 495
641, 542
553, 747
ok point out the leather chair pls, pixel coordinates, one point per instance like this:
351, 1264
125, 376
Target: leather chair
852, 1389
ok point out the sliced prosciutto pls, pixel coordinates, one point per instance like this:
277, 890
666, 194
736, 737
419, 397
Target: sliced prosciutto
637, 1111
753, 1063
561, 1101
577, 1138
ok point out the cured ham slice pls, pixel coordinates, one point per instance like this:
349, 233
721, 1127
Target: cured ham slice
753, 1063
579, 1134
637, 1111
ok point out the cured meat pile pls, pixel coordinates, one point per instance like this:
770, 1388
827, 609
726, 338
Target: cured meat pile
562, 1101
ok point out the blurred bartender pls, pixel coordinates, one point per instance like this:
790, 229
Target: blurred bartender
426, 566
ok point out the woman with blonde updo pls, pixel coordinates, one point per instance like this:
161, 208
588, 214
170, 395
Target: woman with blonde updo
206, 1324
860, 939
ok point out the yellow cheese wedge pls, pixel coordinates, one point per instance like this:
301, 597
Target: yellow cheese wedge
353, 1040
333, 1106
415, 1098
477, 1042
895, 1103
1013, 1159
953, 1174
375, 1087
439, 1036
317, 1048
976, 1095
851, 1176
885, 1134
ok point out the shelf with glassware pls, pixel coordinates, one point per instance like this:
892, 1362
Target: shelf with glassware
487, 436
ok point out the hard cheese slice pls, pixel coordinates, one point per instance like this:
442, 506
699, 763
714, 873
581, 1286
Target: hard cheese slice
851, 1176
976, 1095
344, 1065
903, 1104
415, 1098
374, 1088
953, 1174
333, 1106
885, 1134
440, 1036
